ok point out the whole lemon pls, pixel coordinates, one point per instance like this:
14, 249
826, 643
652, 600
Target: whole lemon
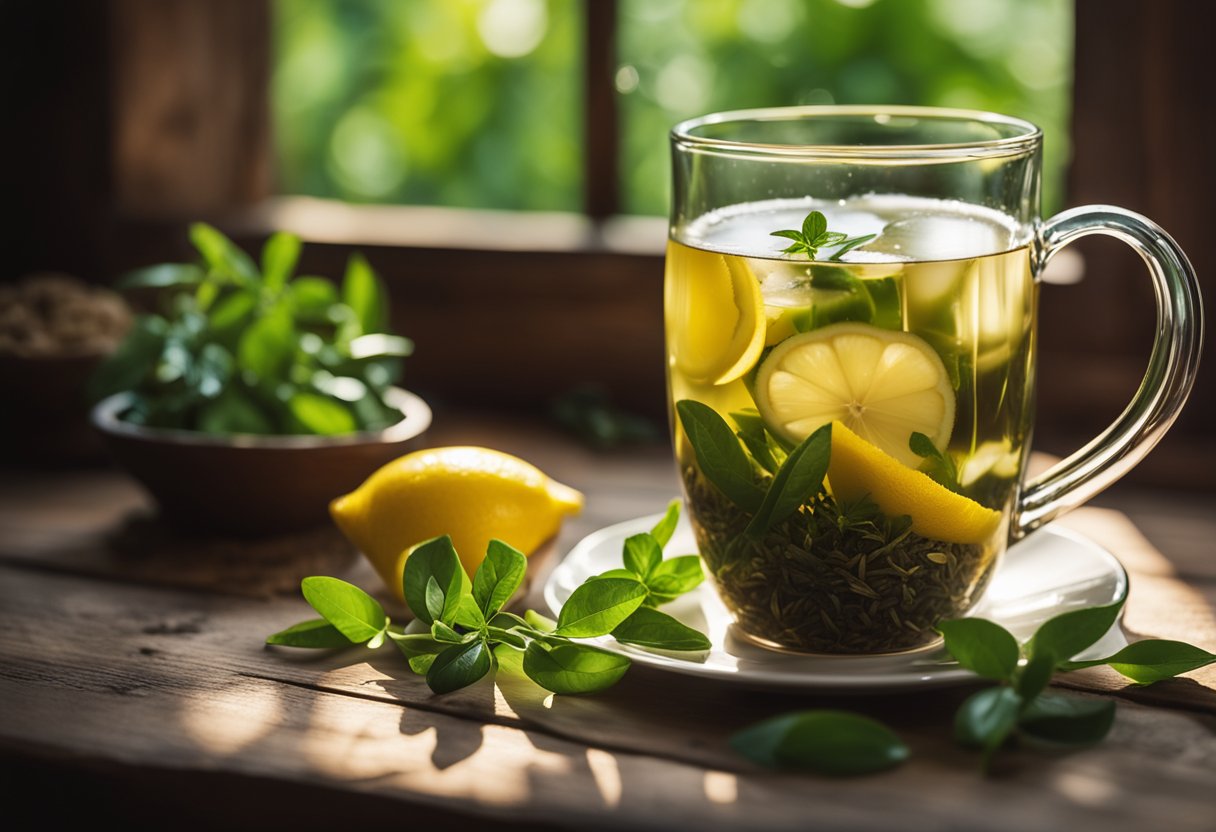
473, 494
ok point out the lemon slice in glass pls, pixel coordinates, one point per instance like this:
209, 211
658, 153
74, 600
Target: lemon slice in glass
715, 314
858, 469
884, 385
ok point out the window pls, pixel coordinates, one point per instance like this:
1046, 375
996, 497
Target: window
480, 103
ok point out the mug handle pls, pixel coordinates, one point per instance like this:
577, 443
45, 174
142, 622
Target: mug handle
1171, 366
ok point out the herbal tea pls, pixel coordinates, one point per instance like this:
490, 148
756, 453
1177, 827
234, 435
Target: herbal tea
907, 325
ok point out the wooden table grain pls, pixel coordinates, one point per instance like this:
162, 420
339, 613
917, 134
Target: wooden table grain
135, 686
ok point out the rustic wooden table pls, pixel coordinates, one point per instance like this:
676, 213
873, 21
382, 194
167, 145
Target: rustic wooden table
135, 686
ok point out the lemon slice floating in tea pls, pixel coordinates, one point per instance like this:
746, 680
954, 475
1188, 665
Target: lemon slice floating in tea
473, 494
858, 469
884, 385
716, 315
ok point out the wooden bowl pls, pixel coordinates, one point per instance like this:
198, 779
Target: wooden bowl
249, 485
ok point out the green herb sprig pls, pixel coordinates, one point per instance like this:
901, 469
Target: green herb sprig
246, 348
462, 632
814, 235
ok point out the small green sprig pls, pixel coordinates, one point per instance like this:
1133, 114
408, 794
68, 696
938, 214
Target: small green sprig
461, 631
939, 466
815, 235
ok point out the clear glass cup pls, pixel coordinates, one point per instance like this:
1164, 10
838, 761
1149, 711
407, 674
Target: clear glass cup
909, 327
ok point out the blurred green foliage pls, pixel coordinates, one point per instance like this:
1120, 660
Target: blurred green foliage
477, 103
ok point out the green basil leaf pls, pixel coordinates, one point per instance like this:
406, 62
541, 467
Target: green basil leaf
222, 256
279, 258
674, 577
311, 297
982, 647
573, 668
321, 415
508, 620
788, 234
539, 622
754, 436
233, 412
498, 635
231, 313
468, 614
719, 454
316, 632
987, 718
642, 554
619, 572
1067, 720
442, 632
1152, 660
133, 360
1035, 676
1068, 634
510, 659
596, 607
664, 529
459, 666
363, 293
357, 615
161, 276
267, 345
822, 741
814, 226
420, 649
648, 627
501, 573
798, 480
437, 559
850, 244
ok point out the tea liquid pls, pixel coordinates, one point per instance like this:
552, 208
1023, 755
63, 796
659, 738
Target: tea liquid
924, 334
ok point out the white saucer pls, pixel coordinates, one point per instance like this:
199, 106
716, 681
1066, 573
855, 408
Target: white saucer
1050, 572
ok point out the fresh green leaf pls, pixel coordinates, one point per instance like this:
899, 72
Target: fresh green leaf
468, 614
266, 346
642, 554
673, 577
719, 454
539, 622
162, 276
850, 244
648, 627
279, 258
132, 361
987, 718
232, 412
312, 297
1035, 675
363, 293
813, 226
573, 668
938, 466
664, 529
355, 614
501, 573
497, 635
222, 256
510, 659
442, 632
437, 559
619, 572
1152, 660
822, 741
596, 607
508, 620
420, 649
1068, 634
982, 647
229, 314
1067, 720
754, 437
459, 666
815, 235
321, 415
316, 632
798, 480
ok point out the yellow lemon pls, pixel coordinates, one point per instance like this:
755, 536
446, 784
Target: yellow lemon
715, 315
473, 494
883, 384
857, 468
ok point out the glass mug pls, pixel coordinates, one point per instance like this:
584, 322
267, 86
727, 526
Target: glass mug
910, 329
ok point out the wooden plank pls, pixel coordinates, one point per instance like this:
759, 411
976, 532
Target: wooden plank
178, 681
